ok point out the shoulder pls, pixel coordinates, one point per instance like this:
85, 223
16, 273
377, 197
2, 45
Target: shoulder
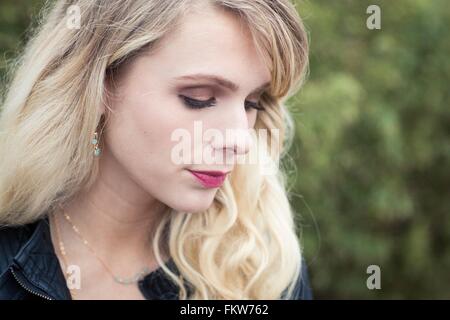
12, 238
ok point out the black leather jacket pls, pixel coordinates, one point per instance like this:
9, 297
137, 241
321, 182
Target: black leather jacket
29, 269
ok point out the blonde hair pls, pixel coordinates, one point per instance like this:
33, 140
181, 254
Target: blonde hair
245, 246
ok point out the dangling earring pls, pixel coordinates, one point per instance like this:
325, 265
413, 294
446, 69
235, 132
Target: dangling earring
94, 141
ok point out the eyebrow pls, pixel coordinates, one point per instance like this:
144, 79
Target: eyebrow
220, 81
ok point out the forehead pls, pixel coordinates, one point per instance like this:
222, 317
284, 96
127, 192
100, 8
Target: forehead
211, 40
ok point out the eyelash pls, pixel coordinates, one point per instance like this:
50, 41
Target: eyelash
200, 104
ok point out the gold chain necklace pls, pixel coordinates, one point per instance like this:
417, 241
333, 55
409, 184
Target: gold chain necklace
124, 281
62, 251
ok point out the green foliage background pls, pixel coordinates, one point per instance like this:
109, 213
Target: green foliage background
372, 144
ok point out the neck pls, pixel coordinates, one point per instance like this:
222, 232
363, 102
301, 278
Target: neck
118, 228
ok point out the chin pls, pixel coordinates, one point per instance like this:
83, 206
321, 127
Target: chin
193, 208
194, 204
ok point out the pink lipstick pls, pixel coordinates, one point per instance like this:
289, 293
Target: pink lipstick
210, 179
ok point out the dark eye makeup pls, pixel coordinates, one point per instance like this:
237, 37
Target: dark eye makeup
200, 104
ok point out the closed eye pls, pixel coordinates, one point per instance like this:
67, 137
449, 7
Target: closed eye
199, 104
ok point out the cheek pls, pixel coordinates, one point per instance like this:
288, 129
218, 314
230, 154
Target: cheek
140, 129
153, 125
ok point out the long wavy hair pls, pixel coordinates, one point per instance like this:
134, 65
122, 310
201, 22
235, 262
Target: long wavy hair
246, 245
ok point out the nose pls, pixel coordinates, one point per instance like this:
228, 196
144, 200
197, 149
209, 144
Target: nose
237, 135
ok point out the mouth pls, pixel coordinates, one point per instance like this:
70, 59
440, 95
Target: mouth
210, 179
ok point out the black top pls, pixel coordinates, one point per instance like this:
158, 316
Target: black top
30, 269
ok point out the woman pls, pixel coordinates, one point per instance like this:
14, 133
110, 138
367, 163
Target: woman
94, 203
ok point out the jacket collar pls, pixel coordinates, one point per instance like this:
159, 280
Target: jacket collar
37, 264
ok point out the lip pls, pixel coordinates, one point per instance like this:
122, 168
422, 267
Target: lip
209, 179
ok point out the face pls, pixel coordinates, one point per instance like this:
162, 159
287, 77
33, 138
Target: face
209, 71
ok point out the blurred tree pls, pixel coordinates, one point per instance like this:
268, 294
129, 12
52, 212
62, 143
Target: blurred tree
373, 149
17, 17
